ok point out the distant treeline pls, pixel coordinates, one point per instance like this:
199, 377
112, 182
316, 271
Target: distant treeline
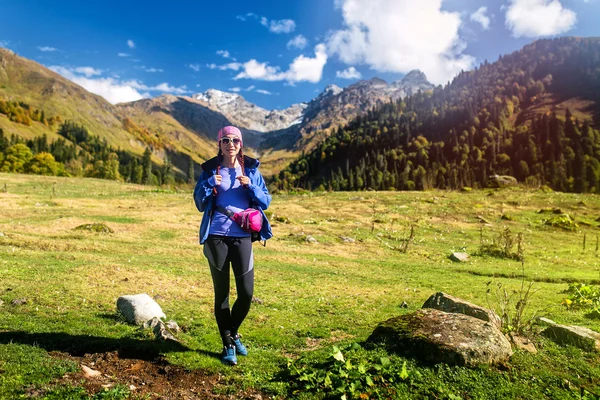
23, 113
488, 121
82, 154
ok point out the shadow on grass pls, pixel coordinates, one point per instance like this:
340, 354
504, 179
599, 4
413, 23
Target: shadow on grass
79, 345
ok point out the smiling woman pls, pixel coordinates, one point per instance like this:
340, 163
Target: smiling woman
230, 183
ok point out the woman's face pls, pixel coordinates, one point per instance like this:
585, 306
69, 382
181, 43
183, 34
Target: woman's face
230, 145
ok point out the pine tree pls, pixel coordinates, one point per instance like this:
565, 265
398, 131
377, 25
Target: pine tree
146, 166
190, 171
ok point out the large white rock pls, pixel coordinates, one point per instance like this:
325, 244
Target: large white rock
139, 308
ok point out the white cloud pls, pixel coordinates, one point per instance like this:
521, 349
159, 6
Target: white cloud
308, 69
262, 91
4, 43
233, 66
195, 67
162, 87
245, 17
235, 89
301, 69
47, 48
151, 69
536, 18
123, 54
275, 26
256, 70
251, 87
109, 88
282, 26
481, 17
298, 42
399, 36
348, 73
88, 71
223, 53
131, 44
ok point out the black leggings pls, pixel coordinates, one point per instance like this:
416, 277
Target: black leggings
221, 251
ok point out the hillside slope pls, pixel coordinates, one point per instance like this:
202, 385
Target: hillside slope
533, 114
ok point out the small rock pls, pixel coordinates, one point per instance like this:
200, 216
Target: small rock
523, 344
404, 304
90, 373
546, 321
577, 336
347, 239
459, 257
445, 302
172, 326
139, 308
18, 302
1, 302
360, 198
1, 234
482, 220
311, 239
161, 330
257, 300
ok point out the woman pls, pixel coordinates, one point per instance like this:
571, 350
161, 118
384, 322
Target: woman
229, 183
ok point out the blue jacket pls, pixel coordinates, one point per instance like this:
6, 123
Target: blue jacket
257, 191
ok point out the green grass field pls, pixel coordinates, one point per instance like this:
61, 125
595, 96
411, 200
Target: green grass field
312, 295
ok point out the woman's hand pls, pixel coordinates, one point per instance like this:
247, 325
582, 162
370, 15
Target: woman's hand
244, 180
215, 180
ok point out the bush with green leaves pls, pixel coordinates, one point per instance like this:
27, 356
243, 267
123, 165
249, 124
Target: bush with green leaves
582, 297
349, 376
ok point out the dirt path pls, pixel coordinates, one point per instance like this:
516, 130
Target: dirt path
156, 379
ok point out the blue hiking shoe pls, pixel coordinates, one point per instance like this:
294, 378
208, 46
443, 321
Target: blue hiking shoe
228, 356
239, 346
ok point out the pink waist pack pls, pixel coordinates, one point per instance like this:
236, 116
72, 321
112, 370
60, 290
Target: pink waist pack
249, 219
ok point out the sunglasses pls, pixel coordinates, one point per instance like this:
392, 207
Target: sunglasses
235, 141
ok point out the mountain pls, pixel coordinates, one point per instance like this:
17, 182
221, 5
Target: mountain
533, 114
248, 115
183, 126
25, 81
338, 107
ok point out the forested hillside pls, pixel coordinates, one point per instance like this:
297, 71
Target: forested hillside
533, 114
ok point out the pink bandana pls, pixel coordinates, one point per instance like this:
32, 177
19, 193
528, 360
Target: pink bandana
228, 131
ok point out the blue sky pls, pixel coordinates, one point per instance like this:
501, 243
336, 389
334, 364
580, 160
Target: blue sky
275, 53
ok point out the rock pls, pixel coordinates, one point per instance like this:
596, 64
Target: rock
482, 220
501, 181
257, 300
1, 302
311, 239
577, 336
161, 330
459, 257
139, 308
96, 227
445, 302
523, 344
434, 336
546, 321
347, 239
18, 302
90, 373
2, 234
173, 326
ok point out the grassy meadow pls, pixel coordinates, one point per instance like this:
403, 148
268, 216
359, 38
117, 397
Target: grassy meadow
310, 296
